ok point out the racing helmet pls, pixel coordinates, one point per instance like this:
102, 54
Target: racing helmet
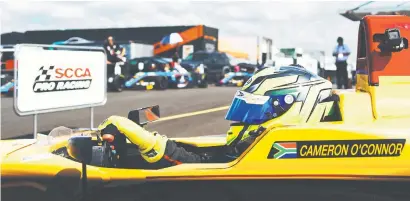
278, 96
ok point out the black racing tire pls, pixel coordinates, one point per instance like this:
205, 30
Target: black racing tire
161, 83
203, 84
218, 84
118, 84
225, 70
200, 80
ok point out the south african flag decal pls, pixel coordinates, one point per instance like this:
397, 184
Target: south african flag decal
283, 150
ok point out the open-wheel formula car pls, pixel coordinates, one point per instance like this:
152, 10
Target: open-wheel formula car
155, 73
238, 75
7, 71
359, 151
7, 82
235, 78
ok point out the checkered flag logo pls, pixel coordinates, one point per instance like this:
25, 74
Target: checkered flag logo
44, 74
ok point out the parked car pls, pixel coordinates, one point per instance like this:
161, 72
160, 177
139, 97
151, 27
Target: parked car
148, 64
157, 73
216, 64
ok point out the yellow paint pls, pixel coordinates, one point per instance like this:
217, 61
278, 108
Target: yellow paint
253, 163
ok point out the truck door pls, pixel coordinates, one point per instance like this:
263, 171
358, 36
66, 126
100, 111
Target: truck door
386, 71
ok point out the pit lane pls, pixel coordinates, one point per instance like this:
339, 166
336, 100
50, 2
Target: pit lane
172, 102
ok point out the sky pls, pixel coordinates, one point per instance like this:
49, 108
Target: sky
306, 24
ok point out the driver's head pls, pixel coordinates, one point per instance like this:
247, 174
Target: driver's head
110, 40
278, 96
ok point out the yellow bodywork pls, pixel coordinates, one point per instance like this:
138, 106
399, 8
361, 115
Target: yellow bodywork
30, 159
368, 113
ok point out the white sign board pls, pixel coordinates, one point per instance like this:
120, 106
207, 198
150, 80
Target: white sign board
56, 80
186, 50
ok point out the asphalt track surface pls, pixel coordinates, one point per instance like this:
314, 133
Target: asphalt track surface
184, 112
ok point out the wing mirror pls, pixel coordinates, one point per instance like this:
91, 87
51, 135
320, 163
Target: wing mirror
144, 115
391, 41
80, 148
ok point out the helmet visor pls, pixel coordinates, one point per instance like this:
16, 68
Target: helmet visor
256, 109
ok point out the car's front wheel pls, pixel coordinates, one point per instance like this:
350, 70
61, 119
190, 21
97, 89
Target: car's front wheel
118, 84
161, 83
202, 81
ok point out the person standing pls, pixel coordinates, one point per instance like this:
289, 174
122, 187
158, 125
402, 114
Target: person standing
341, 52
115, 53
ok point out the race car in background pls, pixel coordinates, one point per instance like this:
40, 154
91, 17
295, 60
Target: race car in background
74, 41
7, 82
157, 73
239, 74
7, 70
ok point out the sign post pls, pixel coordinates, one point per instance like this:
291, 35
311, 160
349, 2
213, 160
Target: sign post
51, 78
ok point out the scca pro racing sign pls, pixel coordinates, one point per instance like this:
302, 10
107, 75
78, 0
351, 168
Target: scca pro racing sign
55, 78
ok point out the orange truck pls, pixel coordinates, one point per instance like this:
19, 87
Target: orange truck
369, 134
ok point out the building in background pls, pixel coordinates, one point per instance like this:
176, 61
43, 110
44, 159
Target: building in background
250, 48
308, 59
264, 45
226, 46
196, 37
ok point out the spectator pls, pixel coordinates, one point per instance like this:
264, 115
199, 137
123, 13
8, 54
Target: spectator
115, 52
341, 52
176, 66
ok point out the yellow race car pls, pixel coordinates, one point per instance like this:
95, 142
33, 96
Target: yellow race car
359, 151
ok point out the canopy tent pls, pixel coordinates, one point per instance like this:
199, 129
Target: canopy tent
377, 8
